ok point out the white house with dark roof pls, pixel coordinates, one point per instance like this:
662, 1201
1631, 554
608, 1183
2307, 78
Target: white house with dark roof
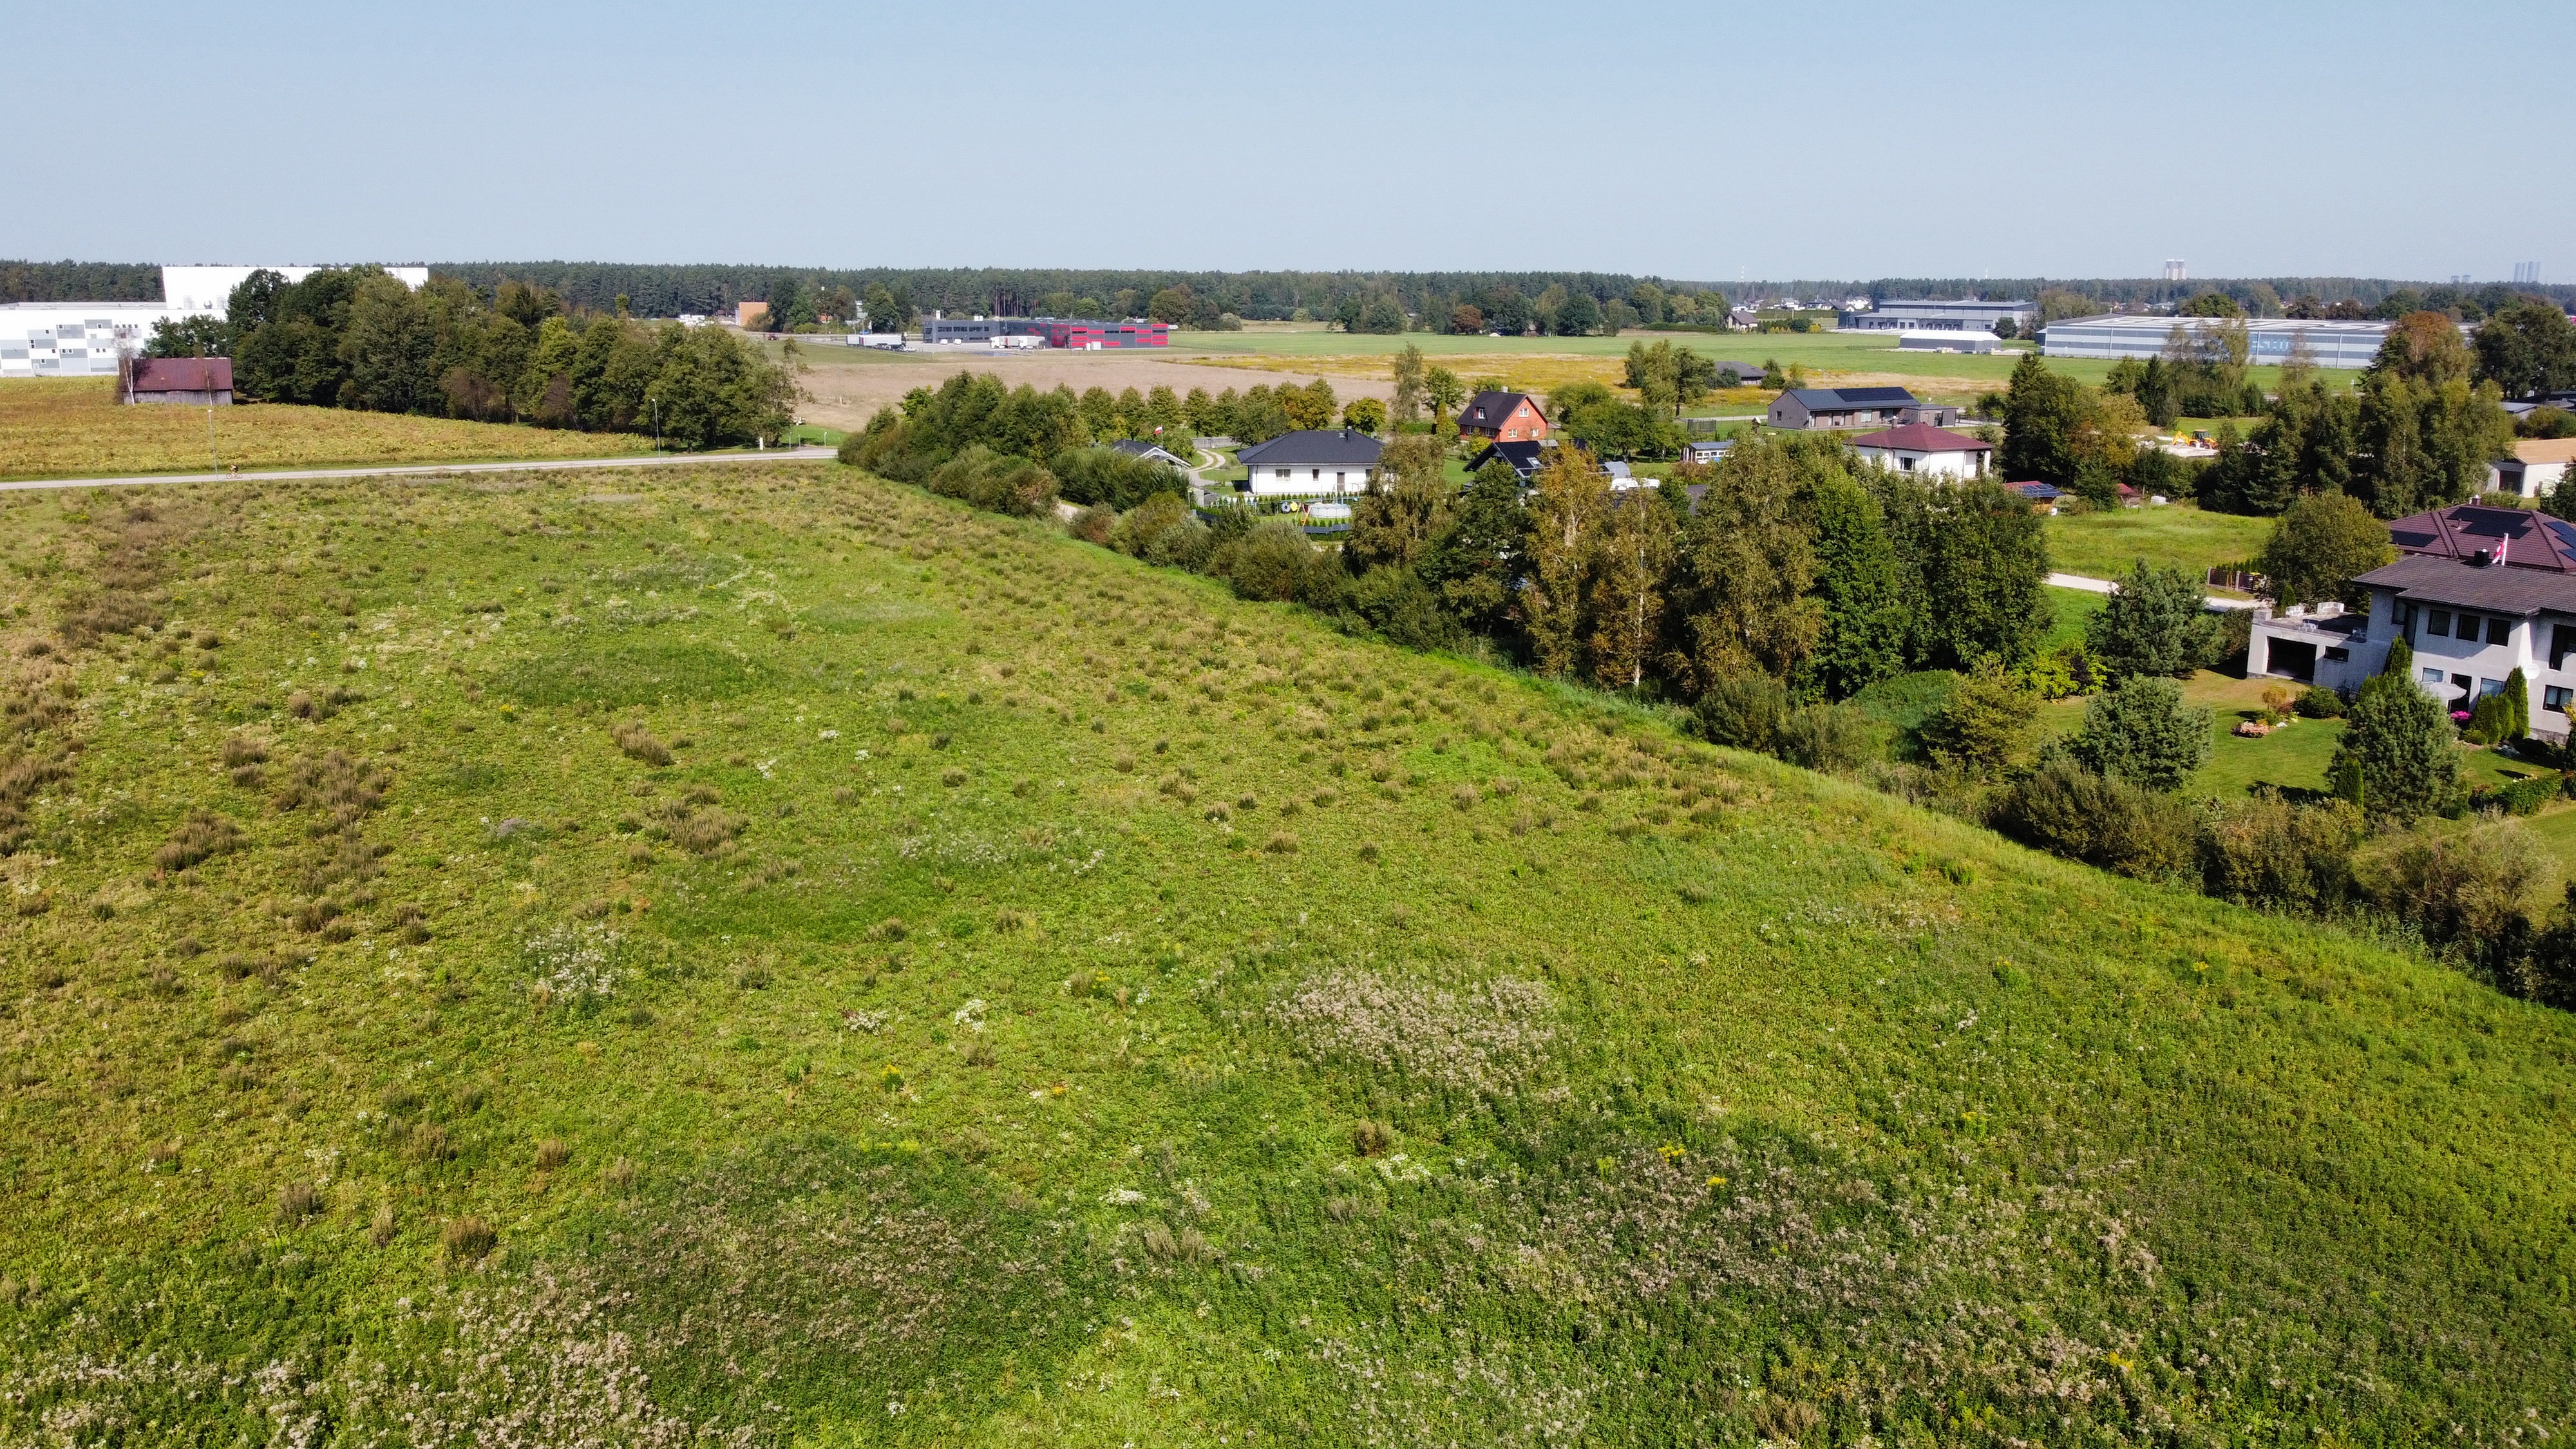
1927, 450
2476, 592
1311, 463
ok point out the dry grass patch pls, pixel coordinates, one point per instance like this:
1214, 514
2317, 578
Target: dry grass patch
74, 427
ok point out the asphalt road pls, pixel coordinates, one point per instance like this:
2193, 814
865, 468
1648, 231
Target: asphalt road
544, 465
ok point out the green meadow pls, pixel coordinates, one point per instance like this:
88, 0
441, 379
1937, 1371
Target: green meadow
780, 959
2108, 543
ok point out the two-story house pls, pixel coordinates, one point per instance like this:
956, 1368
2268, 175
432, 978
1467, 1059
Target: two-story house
2476, 592
1502, 417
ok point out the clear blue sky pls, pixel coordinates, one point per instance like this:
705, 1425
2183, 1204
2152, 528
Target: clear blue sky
1690, 140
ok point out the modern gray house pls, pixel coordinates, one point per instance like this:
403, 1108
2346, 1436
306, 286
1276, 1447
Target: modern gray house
1842, 407
2476, 592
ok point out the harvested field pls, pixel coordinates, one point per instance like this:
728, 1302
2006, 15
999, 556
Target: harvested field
844, 387
75, 427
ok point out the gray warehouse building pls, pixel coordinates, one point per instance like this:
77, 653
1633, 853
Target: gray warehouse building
1940, 317
2268, 339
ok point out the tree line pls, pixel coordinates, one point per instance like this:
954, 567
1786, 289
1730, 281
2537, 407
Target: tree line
2418, 431
357, 338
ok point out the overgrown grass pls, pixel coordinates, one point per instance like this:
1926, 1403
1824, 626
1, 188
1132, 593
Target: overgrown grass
75, 428
2107, 544
1043, 1000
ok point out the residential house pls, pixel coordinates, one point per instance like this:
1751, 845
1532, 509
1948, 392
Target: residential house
1746, 374
1706, 450
1148, 452
1521, 458
188, 381
1922, 448
1310, 463
1841, 407
2535, 470
2476, 592
1502, 417
2043, 497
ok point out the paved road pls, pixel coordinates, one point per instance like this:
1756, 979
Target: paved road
2105, 586
540, 465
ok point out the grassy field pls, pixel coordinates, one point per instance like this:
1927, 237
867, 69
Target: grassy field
75, 428
600, 959
1842, 354
2107, 544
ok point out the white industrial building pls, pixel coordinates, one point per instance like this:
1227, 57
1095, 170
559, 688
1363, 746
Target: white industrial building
1938, 316
1949, 342
2269, 339
82, 339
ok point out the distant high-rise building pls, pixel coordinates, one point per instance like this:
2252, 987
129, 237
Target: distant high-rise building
2526, 272
2175, 271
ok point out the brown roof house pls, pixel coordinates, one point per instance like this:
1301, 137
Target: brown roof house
2535, 470
1502, 417
2476, 592
191, 381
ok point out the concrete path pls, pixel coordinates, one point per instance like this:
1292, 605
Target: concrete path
2105, 586
536, 465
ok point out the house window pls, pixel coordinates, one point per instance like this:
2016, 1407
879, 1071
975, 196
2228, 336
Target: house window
1283, 475
2338, 653
2562, 638
2433, 677
2499, 631
2489, 686
2555, 698
2439, 624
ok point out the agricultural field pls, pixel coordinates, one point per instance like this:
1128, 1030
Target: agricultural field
2108, 543
74, 427
784, 960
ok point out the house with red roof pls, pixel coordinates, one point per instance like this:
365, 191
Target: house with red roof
189, 381
1923, 448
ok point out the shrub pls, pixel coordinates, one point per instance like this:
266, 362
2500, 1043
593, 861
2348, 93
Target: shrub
2068, 810
2454, 885
2395, 758
994, 482
1984, 724
298, 1201
638, 743
1107, 478
2158, 623
1742, 710
2270, 853
2141, 731
1273, 563
552, 1153
1372, 1139
2319, 702
469, 1239
202, 836
2520, 797
1093, 524
1831, 737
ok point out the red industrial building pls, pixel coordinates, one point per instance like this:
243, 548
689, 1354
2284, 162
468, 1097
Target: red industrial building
1063, 333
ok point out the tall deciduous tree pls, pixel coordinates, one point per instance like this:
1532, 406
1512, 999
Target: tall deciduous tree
1570, 496
2043, 413
1744, 591
1442, 389
1477, 564
1408, 368
2424, 347
1405, 507
2319, 546
1633, 556
1863, 634
2527, 347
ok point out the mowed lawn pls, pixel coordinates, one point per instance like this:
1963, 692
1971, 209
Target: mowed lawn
75, 428
2107, 544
